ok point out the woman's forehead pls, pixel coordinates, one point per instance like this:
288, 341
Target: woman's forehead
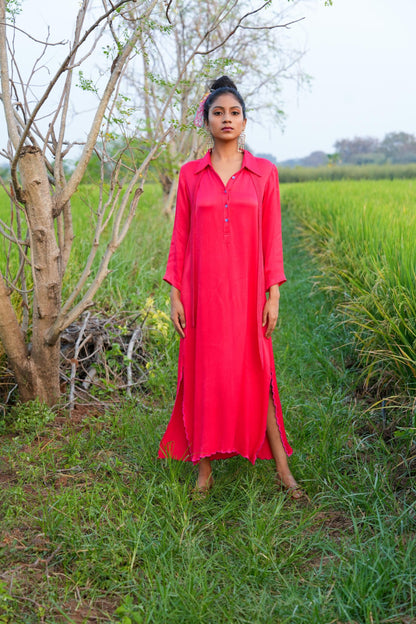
226, 100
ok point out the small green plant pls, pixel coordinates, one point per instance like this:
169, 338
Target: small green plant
129, 613
6, 604
157, 320
30, 417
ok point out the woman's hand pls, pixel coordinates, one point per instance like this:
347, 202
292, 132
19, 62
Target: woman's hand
177, 312
271, 310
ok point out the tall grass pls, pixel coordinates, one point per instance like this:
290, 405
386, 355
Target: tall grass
363, 233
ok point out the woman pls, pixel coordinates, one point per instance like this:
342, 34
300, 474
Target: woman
225, 255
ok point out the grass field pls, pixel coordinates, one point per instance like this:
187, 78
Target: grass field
96, 529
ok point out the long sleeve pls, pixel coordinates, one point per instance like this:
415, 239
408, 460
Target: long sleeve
272, 233
180, 236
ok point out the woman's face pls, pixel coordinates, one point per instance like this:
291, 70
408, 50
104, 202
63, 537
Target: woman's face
225, 118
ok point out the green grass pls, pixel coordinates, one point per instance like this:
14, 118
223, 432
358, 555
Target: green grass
96, 529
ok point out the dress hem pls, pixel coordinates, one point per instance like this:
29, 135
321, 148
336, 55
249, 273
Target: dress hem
164, 452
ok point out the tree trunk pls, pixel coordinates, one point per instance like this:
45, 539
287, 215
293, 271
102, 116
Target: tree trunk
46, 373
166, 182
46, 261
14, 345
169, 199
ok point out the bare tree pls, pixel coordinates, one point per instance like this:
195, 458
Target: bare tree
38, 236
250, 43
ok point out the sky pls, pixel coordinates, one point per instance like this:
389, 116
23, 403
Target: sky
360, 56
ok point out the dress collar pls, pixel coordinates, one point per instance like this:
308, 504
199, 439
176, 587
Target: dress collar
250, 162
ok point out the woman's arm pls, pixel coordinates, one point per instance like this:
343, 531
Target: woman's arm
180, 235
178, 245
274, 274
272, 233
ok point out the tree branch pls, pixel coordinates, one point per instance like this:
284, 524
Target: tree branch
231, 33
64, 320
4, 69
58, 170
167, 11
61, 70
63, 196
58, 43
10, 334
275, 26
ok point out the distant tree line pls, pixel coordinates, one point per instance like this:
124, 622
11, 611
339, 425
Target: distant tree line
395, 148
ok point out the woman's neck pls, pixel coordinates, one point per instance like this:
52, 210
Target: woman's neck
226, 151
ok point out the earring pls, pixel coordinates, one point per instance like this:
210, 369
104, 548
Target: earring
210, 143
241, 142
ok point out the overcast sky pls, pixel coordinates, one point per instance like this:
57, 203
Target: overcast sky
360, 55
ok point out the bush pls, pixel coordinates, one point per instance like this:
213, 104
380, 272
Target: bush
30, 417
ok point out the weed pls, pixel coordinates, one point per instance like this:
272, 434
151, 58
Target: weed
30, 417
6, 605
129, 613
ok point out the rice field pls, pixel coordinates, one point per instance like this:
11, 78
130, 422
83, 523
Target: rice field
363, 235
348, 172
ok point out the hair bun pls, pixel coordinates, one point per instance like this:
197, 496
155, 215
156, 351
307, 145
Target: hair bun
224, 81
219, 87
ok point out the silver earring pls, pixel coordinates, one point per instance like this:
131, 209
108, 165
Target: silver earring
241, 142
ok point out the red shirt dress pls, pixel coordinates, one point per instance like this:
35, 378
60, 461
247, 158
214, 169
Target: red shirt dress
226, 252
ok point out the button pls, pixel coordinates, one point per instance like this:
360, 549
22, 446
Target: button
226, 220
226, 205
225, 190
233, 177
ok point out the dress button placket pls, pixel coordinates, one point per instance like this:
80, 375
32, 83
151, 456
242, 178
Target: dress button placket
226, 214
227, 229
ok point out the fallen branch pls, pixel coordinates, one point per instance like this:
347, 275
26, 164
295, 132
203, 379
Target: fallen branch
74, 363
132, 342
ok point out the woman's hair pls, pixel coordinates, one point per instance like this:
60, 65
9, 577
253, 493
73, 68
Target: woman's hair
219, 87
